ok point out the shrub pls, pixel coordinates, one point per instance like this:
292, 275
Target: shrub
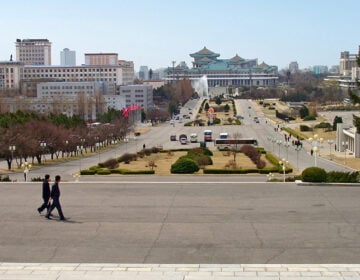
252, 153
127, 158
305, 128
5, 179
185, 166
202, 151
103, 171
35, 179
342, 177
260, 164
314, 174
272, 158
111, 163
147, 152
141, 154
309, 118
155, 150
88, 172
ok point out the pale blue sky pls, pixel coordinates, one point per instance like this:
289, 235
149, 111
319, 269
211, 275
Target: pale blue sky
154, 33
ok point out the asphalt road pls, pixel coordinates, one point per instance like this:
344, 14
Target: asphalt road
182, 220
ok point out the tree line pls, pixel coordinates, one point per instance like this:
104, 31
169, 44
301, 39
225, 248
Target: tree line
28, 136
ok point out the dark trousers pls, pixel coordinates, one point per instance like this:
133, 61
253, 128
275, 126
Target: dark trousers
56, 204
46, 205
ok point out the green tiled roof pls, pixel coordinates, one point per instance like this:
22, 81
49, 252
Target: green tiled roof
204, 52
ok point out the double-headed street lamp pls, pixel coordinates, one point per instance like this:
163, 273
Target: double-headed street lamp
12, 149
330, 142
287, 145
284, 163
43, 146
316, 144
97, 145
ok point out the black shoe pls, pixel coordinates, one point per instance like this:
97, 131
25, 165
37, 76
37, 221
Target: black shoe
47, 217
39, 210
63, 219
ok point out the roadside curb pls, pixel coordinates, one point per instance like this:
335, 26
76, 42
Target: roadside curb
301, 183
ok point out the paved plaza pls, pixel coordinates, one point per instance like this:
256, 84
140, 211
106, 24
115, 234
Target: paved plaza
182, 229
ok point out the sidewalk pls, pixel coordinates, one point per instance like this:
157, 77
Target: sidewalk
87, 271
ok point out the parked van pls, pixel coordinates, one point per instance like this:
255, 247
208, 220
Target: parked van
193, 138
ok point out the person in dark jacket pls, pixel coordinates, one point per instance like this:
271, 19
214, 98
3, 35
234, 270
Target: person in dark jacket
55, 196
45, 194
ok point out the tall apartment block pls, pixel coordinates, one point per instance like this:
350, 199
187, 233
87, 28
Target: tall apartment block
67, 57
347, 62
33, 51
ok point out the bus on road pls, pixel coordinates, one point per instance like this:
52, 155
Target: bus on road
231, 144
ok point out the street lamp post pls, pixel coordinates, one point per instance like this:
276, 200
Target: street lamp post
80, 149
97, 145
330, 142
297, 149
26, 167
279, 144
315, 144
43, 146
287, 145
345, 146
12, 149
284, 163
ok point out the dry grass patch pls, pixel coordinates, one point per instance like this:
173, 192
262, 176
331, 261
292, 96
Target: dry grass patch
163, 162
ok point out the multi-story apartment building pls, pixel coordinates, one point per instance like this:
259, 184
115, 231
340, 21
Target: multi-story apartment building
347, 62
138, 95
86, 99
101, 59
10, 74
233, 72
128, 71
110, 75
348, 70
67, 57
33, 51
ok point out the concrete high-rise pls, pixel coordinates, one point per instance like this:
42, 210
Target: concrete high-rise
33, 51
67, 57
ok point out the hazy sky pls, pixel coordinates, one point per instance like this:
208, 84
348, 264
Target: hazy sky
156, 32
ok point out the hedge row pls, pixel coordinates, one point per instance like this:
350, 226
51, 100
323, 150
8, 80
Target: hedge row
294, 133
241, 171
106, 171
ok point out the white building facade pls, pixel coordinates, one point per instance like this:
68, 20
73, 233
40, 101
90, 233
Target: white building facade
138, 95
33, 51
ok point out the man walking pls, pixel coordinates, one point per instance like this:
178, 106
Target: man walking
45, 194
55, 196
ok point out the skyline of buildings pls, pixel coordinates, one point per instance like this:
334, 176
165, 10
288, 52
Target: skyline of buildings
33, 52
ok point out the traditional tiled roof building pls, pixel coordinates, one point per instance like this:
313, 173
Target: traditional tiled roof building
235, 71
